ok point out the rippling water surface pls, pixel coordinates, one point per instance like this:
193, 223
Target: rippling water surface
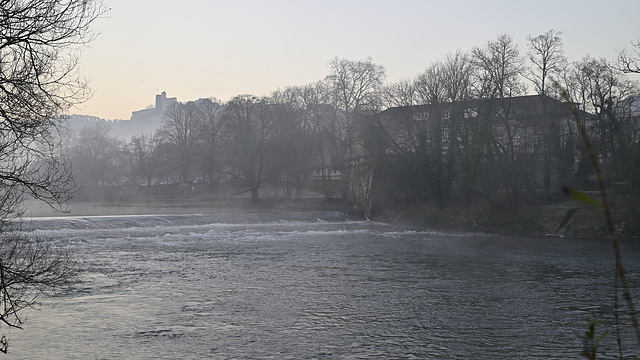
316, 285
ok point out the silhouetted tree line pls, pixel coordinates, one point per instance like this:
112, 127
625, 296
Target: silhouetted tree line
474, 142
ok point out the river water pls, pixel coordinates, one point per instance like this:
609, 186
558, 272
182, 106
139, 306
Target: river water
318, 286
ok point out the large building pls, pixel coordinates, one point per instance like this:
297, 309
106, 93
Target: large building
501, 149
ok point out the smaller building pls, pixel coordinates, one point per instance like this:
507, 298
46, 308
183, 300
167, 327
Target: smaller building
144, 121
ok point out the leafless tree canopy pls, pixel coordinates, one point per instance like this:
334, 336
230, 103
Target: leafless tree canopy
547, 56
40, 41
499, 67
28, 269
39, 47
355, 84
629, 60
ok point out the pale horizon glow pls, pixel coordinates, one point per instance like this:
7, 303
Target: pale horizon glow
222, 48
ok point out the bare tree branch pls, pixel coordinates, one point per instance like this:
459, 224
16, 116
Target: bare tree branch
40, 42
629, 60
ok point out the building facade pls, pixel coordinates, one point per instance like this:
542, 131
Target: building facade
503, 150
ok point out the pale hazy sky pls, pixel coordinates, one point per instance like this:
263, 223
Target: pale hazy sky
222, 48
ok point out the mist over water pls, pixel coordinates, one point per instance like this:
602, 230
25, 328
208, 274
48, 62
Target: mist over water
316, 285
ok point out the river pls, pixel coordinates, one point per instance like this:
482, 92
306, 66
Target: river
317, 286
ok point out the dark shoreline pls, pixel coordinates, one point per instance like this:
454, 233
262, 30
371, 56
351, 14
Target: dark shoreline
535, 221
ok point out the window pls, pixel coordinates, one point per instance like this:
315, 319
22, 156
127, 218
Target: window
419, 116
445, 134
471, 113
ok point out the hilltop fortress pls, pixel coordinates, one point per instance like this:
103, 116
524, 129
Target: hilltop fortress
153, 116
141, 122
144, 121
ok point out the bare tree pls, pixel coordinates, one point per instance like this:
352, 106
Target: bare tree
95, 155
456, 78
431, 137
321, 114
431, 125
499, 69
629, 60
290, 146
611, 96
209, 142
400, 93
246, 128
179, 128
40, 42
144, 153
28, 269
547, 56
356, 86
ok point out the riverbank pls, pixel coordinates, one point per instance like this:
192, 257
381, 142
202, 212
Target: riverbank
564, 219
189, 205
558, 219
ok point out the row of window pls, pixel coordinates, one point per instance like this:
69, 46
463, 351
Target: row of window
469, 113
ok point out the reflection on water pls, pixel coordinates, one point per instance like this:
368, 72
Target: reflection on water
299, 286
